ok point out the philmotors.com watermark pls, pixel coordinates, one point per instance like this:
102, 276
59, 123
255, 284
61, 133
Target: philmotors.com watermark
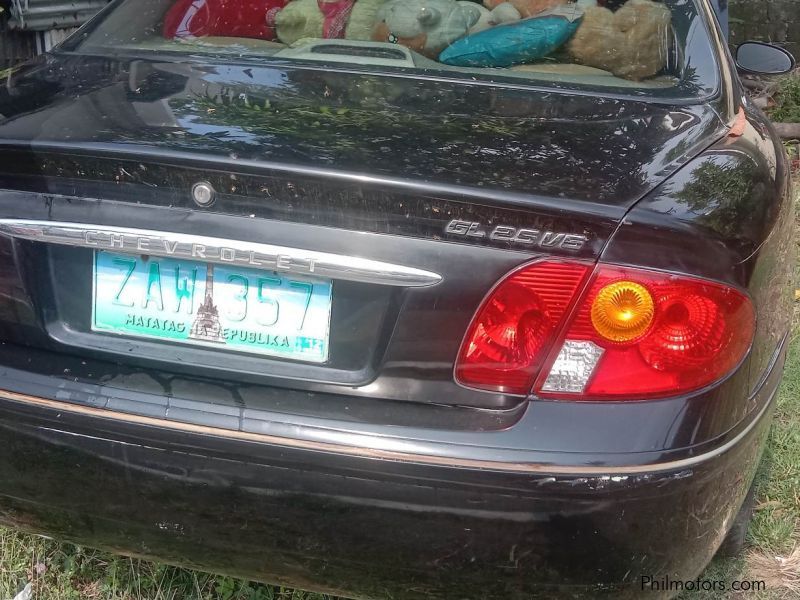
665, 584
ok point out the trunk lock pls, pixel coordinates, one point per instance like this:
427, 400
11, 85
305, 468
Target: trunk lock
203, 194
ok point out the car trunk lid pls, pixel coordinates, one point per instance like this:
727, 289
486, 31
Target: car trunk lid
461, 182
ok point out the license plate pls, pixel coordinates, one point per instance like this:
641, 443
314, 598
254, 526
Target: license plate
212, 305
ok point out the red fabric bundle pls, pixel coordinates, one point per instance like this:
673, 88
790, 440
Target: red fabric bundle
228, 18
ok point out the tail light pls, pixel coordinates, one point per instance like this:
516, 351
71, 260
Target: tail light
629, 334
508, 339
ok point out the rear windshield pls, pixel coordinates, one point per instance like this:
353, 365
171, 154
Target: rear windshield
639, 46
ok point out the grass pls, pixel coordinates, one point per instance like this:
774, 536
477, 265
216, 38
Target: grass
787, 109
61, 571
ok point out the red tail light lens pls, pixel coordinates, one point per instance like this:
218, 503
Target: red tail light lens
511, 334
634, 334
691, 334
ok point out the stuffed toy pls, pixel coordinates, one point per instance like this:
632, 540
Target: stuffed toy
325, 19
299, 19
515, 43
425, 26
632, 42
526, 8
222, 18
502, 13
363, 19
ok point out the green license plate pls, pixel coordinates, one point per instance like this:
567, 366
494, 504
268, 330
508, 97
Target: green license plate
233, 308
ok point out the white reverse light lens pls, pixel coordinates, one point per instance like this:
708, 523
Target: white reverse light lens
573, 367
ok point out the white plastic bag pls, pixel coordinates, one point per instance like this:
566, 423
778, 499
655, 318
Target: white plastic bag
25, 594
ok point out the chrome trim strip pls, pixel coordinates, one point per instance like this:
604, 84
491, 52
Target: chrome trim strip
397, 454
218, 250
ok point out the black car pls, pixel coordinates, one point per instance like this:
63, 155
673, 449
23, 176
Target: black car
430, 307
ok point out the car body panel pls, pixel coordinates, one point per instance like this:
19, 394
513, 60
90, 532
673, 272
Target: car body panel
370, 526
372, 128
109, 136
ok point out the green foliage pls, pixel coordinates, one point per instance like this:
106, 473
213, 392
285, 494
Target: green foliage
61, 571
788, 101
723, 194
318, 121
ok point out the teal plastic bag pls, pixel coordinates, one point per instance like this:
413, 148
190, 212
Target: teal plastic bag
511, 44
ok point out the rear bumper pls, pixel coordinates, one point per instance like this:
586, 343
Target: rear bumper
369, 524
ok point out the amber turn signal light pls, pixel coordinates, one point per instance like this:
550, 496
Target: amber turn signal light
622, 311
